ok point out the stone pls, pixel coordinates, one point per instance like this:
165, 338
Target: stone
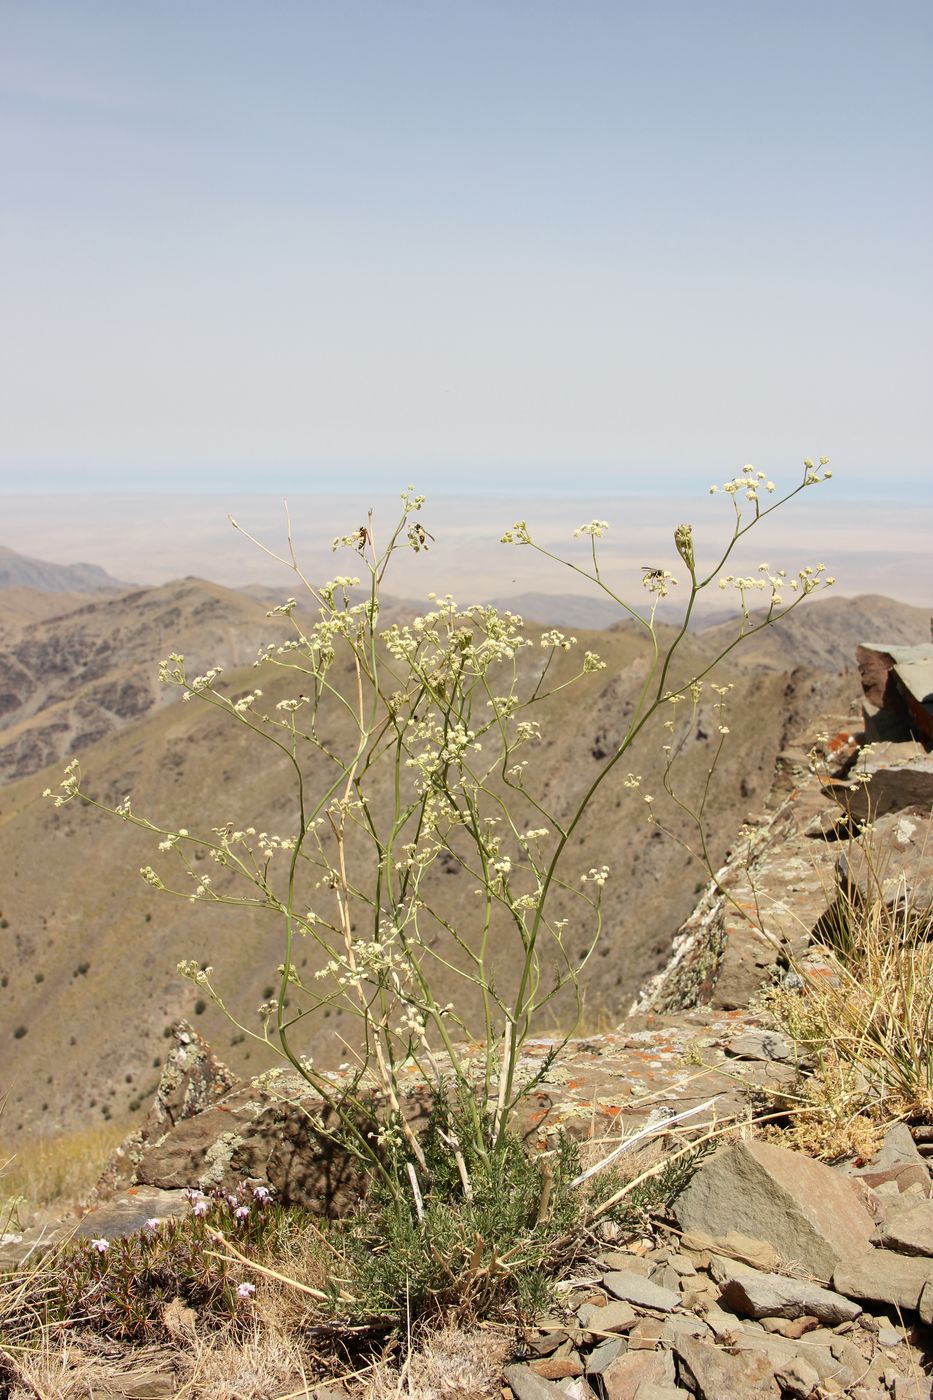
810, 1214
646, 1334
666, 1277
899, 775
628, 1374
912, 1388
797, 1379
630, 1287
575, 1388
650, 1391
908, 1229
682, 1266
676, 1325
525, 1385
602, 1357
556, 1368
925, 1304
754, 1294
895, 861
761, 1045
880, 1276
781, 1351
613, 1317
620, 1259
718, 1375
129, 1210
793, 1328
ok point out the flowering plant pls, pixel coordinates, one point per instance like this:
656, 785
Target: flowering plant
411, 746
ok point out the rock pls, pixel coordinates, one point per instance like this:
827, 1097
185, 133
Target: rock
797, 1379
912, 1388
628, 1374
192, 1080
907, 1228
602, 1357
650, 1391
556, 1368
676, 1325
614, 1317
682, 1266
761, 1045
782, 1352
734, 1245
899, 775
525, 1385
621, 1259
792, 1328
895, 861
646, 1334
718, 1375
897, 1161
802, 1208
630, 1287
925, 1304
881, 1276
129, 1211
754, 1294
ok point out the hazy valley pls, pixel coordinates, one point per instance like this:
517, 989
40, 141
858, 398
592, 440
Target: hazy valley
88, 952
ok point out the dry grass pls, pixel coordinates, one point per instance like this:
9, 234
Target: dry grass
44, 1170
868, 1019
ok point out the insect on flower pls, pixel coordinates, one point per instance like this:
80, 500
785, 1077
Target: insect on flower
418, 537
651, 572
362, 538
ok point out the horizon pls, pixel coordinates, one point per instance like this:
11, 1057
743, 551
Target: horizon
146, 540
617, 251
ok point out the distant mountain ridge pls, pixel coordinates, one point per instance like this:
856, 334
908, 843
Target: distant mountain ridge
22, 571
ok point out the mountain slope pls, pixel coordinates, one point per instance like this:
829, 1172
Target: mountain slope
89, 951
824, 632
22, 571
68, 679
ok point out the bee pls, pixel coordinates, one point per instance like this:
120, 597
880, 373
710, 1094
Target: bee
362, 538
651, 573
418, 537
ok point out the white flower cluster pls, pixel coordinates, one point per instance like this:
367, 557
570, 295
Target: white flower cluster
659, 581
806, 581
518, 534
204, 682
247, 701
749, 483
597, 875
595, 528
69, 785
194, 972
557, 641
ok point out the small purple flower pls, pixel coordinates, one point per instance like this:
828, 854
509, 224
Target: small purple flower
245, 1290
261, 1194
201, 1207
152, 1223
233, 1202
241, 1212
100, 1245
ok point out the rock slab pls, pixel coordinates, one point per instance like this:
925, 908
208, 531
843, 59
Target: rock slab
811, 1215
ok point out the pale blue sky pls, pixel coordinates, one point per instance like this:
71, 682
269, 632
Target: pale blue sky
616, 248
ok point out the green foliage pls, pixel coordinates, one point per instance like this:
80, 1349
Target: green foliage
490, 1237
121, 1287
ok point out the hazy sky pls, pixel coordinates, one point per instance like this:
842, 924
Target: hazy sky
514, 249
